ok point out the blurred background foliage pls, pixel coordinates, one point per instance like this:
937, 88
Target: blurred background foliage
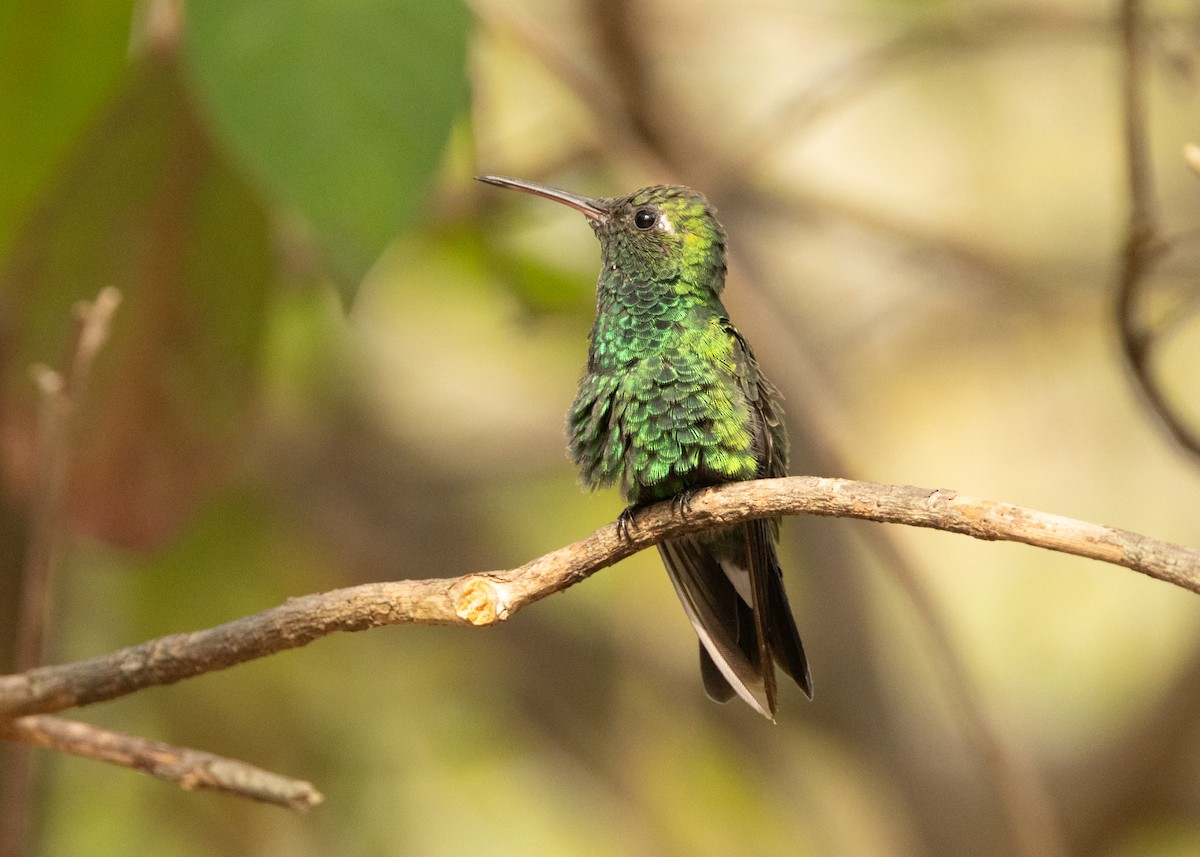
339, 359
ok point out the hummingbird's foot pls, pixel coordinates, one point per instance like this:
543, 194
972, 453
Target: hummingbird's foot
625, 522
681, 503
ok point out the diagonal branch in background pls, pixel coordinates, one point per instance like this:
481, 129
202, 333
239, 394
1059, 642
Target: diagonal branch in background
190, 769
490, 597
840, 84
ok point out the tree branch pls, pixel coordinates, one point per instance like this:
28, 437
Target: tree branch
190, 769
1145, 244
60, 392
490, 597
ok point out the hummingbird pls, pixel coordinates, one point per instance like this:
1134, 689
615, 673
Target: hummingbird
673, 401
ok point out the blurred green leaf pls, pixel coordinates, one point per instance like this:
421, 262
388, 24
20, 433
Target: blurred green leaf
339, 110
541, 288
146, 206
59, 63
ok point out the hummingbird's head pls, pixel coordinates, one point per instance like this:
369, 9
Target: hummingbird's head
664, 232
668, 231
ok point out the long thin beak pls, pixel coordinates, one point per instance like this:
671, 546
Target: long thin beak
592, 209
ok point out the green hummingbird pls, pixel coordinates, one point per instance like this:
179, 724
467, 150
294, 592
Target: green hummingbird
673, 401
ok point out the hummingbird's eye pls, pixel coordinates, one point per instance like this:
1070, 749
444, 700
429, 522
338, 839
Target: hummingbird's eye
645, 218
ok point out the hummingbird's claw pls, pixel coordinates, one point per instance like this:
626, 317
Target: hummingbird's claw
681, 503
626, 522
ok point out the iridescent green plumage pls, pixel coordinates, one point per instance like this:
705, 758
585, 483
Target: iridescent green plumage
673, 400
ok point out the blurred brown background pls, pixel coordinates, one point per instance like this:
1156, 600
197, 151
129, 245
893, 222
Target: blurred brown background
339, 359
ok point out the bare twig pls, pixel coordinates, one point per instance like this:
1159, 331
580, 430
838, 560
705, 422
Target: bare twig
1145, 245
59, 394
190, 769
490, 597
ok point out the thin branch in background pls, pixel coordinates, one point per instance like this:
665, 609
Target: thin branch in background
45, 510
619, 137
1023, 796
1144, 243
1129, 782
59, 395
617, 35
845, 81
190, 769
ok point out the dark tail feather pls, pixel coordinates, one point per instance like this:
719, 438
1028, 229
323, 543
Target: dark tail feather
782, 635
740, 644
785, 641
715, 686
723, 622
757, 553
